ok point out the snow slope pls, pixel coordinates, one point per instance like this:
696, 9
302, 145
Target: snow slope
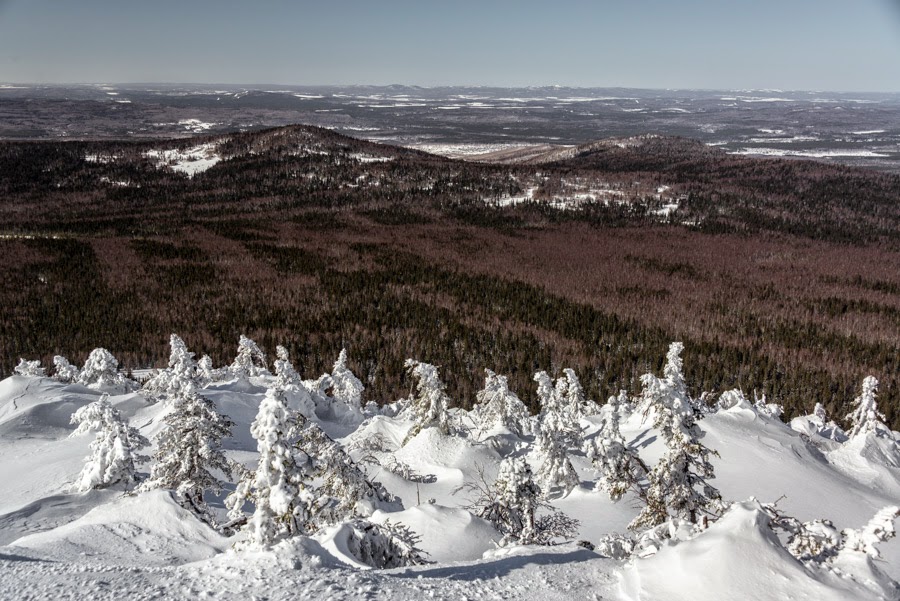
106, 544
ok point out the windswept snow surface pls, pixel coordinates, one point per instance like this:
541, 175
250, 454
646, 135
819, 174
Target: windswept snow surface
115, 545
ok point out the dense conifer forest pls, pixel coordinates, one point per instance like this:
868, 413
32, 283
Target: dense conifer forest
781, 277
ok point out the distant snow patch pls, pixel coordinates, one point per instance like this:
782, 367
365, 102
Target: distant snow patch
190, 161
814, 154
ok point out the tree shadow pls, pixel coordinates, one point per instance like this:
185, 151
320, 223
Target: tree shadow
499, 567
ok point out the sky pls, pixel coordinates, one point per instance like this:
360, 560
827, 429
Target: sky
836, 45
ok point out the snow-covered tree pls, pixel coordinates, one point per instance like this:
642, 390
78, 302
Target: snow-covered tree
65, 371
288, 380
678, 486
281, 487
511, 504
820, 542
571, 394
208, 374
182, 368
250, 360
553, 400
865, 416
114, 449
558, 432
879, 529
101, 371
346, 387
189, 449
556, 470
621, 469
344, 491
384, 546
428, 407
498, 406
31, 369
763, 407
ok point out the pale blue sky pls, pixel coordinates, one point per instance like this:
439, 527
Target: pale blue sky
851, 45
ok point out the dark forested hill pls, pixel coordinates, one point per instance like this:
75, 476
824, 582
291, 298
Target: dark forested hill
780, 276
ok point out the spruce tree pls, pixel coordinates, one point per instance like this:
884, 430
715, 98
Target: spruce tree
189, 449
678, 486
865, 416
281, 487
114, 450
498, 406
428, 407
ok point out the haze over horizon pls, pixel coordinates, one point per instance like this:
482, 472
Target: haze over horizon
697, 44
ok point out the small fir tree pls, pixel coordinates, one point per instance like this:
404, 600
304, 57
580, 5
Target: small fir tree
346, 387
678, 486
621, 469
65, 371
429, 405
288, 380
250, 361
189, 450
865, 416
512, 502
281, 487
101, 372
30, 369
498, 406
114, 450
182, 368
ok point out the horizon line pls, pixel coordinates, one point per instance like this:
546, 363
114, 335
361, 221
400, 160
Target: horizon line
257, 86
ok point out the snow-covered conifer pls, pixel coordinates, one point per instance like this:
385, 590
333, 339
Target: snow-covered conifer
384, 546
189, 449
113, 450
763, 407
558, 432
865, 416
428, 407
571, 392
678, 486
554, 440
101, 371
344, 491
31, 369
281, 487
182, 368
288, 380
65, 371
621, 469
206, 373
879, 529
511, 505
346, 387
249, 361
498, 406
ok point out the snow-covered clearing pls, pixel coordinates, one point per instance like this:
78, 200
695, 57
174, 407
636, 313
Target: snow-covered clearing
190, 161
815, 154
113, 544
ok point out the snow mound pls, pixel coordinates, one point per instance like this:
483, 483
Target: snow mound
739, 557
448, 534
149, 529
870, 459
40, 407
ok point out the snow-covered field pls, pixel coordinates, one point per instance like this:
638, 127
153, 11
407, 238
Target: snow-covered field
120, 541
190, 161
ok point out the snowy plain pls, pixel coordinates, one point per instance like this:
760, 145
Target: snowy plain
105, 544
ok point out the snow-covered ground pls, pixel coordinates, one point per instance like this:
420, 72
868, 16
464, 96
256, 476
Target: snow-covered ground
190, 161
109, 544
